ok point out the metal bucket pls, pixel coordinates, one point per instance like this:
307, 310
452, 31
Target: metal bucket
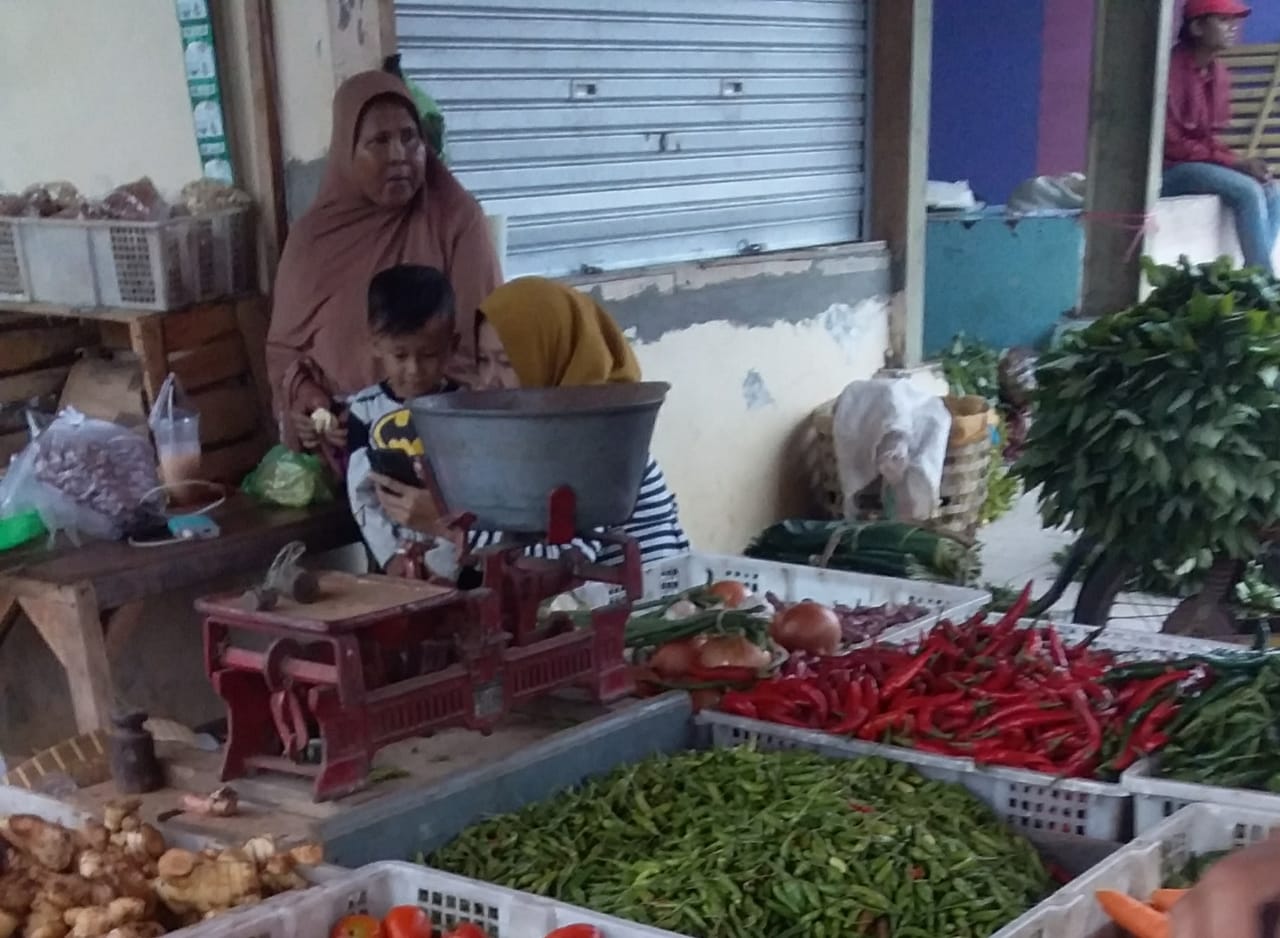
500, 454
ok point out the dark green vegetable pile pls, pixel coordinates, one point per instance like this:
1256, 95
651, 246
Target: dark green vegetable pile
885, 548
1230, 735
1157, 429
736, 843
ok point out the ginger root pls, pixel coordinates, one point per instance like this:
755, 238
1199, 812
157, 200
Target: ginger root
219, 884
51, 845
9, 924
98, 920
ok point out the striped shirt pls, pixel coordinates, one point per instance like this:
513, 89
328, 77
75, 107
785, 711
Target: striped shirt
655, 525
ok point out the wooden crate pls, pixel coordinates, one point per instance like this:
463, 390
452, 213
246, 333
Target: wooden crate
217, 350
36, 355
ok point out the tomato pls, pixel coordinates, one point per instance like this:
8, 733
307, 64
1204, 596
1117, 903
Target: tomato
406, 921
465, 930
730, 592
357, 926
577, 931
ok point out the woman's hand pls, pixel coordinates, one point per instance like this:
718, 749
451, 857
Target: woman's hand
1229, 900
406, 505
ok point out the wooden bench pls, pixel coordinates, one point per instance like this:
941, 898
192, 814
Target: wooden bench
86, 601
1255, 95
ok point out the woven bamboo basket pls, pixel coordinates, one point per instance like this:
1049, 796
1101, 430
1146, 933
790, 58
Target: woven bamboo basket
963, 488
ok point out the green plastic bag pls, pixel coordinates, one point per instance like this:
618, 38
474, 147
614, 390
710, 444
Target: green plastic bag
289, 479
428, 110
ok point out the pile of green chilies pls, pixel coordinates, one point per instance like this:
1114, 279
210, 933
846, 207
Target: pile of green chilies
737, 843
1228, 735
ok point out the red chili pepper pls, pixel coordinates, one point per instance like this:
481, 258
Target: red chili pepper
776, 713
810, 694
1057, 651
902, 677
871, 698
852, 722
872, 729
1148, 689
1093, 731
1152, 722
739, 704
1031, 646
1005, 715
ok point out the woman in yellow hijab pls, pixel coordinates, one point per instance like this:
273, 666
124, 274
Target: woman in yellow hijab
541, 334
536, 333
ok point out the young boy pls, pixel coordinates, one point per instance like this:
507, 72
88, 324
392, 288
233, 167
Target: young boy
411, 313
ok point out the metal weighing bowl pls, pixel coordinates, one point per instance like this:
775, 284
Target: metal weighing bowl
500, 454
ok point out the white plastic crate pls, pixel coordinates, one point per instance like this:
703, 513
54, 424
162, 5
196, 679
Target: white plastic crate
13, 275
1140, 868
142, 265
448, 899
1155, 798
793, 583
1030, 800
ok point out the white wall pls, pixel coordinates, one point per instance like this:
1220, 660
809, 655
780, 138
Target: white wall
94, 92
731, 451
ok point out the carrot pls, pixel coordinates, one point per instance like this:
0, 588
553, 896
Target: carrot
1165, 899
1135, 917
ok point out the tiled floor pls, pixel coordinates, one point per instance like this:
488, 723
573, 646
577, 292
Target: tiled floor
1017, 549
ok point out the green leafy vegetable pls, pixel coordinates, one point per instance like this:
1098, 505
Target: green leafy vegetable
1157, 429
972, 367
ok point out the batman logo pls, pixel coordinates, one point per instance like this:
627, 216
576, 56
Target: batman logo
395, 431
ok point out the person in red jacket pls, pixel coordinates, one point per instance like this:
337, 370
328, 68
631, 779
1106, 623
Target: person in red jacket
1196, 161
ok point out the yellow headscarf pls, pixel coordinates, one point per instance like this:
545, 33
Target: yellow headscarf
558, 337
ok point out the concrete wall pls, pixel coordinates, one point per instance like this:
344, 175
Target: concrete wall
750, 347
95, 92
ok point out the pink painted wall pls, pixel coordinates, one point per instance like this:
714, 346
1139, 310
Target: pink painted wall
1064, 86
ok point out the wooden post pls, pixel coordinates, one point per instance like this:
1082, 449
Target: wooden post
264, 122
901, 50
1131, 46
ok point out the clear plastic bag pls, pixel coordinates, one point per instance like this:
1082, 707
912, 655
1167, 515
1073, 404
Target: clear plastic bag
289, 479
175, 426
85, 477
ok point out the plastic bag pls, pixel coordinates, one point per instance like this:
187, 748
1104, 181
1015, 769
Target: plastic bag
889, 429
175, 425
85, 477
289, 479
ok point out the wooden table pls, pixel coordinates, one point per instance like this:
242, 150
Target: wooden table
86, 601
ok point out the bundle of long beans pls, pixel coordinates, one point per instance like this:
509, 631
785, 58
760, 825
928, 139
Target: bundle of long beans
886, 548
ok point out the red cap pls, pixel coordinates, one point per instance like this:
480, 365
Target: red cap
1197, 8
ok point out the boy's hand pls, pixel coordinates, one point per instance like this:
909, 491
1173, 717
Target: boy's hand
308, 438
407, 506
397, 566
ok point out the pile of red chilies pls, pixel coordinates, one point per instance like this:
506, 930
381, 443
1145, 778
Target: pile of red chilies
997, 693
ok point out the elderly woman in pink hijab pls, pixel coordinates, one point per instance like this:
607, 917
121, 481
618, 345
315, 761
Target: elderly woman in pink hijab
386, 199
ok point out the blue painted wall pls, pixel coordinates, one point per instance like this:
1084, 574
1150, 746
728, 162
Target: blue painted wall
1264, 24
986, 93
1001, 281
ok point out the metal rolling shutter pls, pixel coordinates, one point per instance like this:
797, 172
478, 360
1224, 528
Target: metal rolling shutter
619, 133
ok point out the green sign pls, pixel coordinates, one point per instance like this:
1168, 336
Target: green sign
201, 61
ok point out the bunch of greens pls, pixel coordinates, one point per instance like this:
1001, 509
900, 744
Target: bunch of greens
972, 367
1157, 429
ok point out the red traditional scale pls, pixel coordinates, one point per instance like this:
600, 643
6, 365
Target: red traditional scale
378, 659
